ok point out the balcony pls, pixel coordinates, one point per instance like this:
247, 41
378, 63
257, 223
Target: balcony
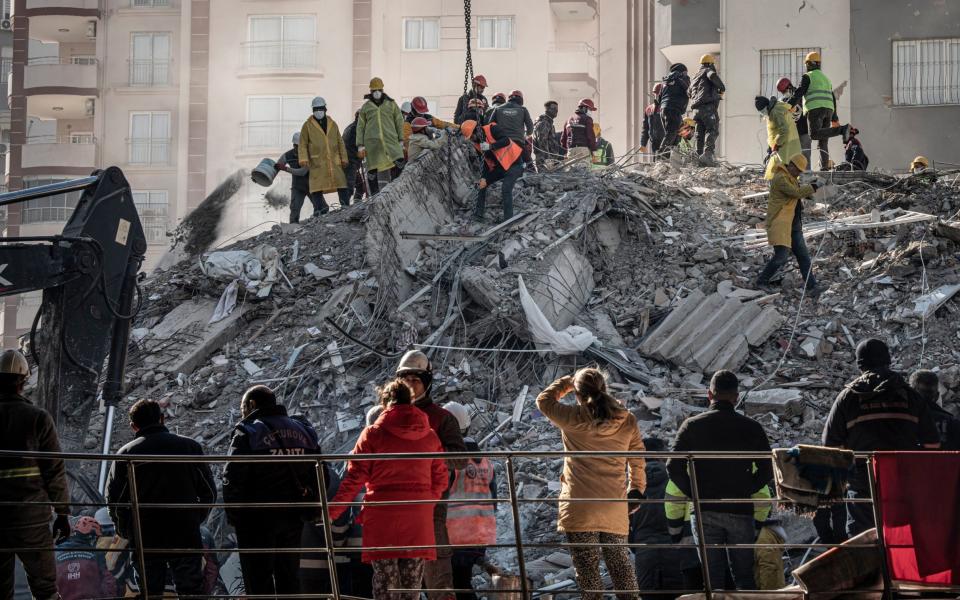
574, 10
686, 30
284, 56
64, 25
150, 73
572, 69
62, 151
60, 73
262, 136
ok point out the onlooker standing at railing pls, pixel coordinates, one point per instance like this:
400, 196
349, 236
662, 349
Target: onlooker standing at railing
400, 428
598, 422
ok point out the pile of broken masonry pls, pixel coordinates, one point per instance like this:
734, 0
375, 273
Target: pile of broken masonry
646, 271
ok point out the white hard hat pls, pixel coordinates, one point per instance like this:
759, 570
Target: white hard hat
103, 516
373, 414
460, 412
406, 107
414, 361
14, 363
296, 138
318, 102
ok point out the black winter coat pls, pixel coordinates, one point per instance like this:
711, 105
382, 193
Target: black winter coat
350, 142
463, 113
514, 121
705, 89
174, 482
673, 96
650, 520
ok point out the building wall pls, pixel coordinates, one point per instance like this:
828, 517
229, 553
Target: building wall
893, 135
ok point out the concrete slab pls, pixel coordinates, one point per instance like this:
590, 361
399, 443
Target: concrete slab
710, 322
783, 402
673, 320
706, 351
561, 285
680, 333
765, 324
733, 354
197, 338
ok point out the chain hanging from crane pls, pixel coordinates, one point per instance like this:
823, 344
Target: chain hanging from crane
468, 68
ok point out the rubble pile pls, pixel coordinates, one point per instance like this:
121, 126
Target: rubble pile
646, 271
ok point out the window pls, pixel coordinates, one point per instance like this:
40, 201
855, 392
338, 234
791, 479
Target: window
272, 120
775, 64
149, 59
81, 137
150, 3
282, 42
56, 208
6, 66
421, 34
496, 32
926, 72
83, 59
152, 208
149, 138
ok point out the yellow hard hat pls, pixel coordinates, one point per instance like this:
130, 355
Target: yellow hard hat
812, 57
920, 160
689, 122
799, 161
596, 129
376, 84
707, 59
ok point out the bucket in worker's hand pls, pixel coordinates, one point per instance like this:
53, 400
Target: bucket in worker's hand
510, 584
264, 173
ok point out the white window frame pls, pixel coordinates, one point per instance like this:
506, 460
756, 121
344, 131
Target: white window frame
83, 59
768, 81
309, 47
154, 64
155, 221
497, 20
48, 209
81, 137
419, 47
150, 3
152, 143
278, 131
919, 94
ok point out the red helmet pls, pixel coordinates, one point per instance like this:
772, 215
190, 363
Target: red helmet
588, 103
419, 123
480, 80
657, 89
499, 96
87, 525
420, 105
784, 84
516, 93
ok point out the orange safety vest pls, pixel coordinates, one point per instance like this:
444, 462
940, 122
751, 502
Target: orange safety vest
507, 155
474, 524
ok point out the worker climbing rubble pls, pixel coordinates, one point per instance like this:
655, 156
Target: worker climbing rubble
502, 161
786, 88
782, 136
706, 91
380, 136
819, 107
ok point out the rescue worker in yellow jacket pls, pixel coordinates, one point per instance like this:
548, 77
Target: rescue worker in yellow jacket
784, 221
783, 138
380, 135
322, 151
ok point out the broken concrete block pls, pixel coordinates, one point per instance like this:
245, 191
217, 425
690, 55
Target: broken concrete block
317, 272
709, 254
783, 402
672, 322
812, 346
731, 356
250, 367
708, 326
200, 338
481, 287
765, 324
707, 350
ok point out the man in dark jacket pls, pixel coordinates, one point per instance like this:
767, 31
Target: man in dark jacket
657, 568
417, 372
652, 131
706, 90
927, 384
578, 137
513, 118
546, 142
502, 161
353, 161
265, 430
673, 103
299, 176
854, 156
876, 411
25, 427
472, 105
161, 483
722, 428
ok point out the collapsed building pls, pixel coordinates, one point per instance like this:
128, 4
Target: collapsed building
643, 269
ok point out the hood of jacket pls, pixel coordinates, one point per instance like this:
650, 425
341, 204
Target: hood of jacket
405, 421
383, 98
871, 384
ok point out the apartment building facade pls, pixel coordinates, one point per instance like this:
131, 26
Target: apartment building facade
182, 93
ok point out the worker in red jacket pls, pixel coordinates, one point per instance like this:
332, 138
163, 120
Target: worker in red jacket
82, 572
400, 428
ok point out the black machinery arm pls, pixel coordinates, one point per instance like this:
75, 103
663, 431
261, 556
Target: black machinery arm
88, 275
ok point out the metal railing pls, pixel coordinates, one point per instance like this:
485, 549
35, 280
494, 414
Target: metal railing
509, 458
149, 72
66, 60
61, 139
281, 54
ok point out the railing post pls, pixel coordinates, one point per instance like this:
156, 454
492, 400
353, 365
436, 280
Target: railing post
884, 567
698, 515
517, 533
327, 531
137, 530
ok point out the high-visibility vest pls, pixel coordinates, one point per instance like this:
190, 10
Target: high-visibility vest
507, 155
475, 523
599, 157
819, 92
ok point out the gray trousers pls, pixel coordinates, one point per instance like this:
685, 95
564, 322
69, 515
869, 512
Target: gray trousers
729, 528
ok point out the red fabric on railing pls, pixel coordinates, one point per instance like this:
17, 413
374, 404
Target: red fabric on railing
919, 503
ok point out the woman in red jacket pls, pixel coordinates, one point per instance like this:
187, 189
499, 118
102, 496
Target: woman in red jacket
400, 428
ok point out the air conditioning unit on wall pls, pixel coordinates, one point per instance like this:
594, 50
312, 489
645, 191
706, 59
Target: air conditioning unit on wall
6, 24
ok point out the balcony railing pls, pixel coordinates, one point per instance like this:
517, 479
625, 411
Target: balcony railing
149, 151
149, 72
58, 60
149, 3
287, 55
83, 139
268, 135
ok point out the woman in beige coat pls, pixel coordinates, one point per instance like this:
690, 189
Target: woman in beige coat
597, 422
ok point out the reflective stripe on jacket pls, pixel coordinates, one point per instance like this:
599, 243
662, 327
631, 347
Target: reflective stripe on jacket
819, 93
472, 523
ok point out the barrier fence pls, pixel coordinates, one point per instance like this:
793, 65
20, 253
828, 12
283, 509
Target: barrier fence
508, 458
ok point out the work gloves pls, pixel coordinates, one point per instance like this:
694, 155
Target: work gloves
632, 496
61, 528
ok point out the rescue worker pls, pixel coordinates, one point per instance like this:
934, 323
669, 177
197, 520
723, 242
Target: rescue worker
400, 427
854, 157
299, 179
919, 165
876, 411
513, 118
352, 172
380, 135
927, 384
652, 131
472, 105
471, 522
82, 572
603, 155
405, 109
820, 107
419, 107
25, 427
323, 152
498, 100
787, 89
678, 510
421, 139
577, 137
157, 483
417, 372
706, 91
673, 104
782, 137
722, 428
501, 160
546, 142
784, 223
266, 429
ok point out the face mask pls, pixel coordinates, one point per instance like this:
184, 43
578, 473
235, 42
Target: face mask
319, 113
377, 95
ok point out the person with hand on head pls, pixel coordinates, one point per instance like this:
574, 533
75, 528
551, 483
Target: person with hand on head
323, 152
597, 422
380, 135
27, 428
